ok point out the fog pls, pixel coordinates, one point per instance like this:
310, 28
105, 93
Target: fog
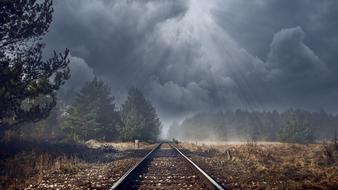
247, 126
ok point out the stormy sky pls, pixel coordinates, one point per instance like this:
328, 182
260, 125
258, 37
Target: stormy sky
190, 56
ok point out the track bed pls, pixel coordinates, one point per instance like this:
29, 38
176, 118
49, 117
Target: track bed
164, 168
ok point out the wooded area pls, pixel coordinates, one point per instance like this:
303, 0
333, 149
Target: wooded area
293, 125
93, 114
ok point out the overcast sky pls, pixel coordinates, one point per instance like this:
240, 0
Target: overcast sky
191, 56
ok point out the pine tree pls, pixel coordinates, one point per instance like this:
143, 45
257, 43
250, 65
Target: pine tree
93, 114
139, 118
24, 76
296, 130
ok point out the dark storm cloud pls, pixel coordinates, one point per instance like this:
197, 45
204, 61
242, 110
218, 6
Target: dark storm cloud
254, 23
108, 34
80, 73
191, 56
290, 58
294, 71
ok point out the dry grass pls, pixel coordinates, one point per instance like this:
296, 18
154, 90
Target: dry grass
28, 167
269, 166
25, 163
121, 146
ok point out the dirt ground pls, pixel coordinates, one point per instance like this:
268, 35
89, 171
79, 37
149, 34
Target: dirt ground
41, 165
85, 176
268, 165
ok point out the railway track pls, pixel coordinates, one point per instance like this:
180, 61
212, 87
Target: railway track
165, 167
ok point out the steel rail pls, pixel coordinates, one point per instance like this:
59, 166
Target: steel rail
130, 171
209, 180
212, 182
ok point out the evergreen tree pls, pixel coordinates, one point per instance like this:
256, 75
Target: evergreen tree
24, 76
139, 118
296, 130
93, 114
264, 126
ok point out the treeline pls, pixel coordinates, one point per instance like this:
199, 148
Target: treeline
92, 113
293, 125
